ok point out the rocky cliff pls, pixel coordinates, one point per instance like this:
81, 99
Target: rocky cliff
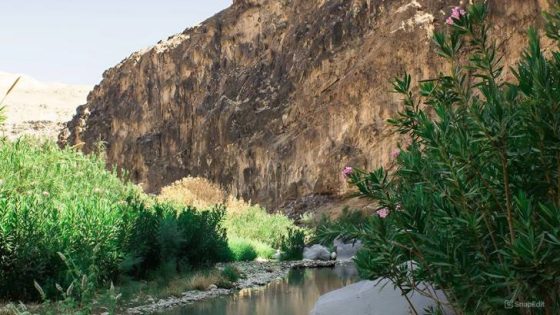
272, 98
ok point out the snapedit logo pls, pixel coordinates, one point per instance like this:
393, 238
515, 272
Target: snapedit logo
509, 304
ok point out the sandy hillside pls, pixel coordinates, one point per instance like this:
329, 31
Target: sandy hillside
39, 108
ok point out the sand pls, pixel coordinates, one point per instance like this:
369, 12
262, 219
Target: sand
38, 108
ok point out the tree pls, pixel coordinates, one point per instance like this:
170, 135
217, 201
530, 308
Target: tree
474, 197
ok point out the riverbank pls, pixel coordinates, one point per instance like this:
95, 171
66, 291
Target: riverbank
256, 273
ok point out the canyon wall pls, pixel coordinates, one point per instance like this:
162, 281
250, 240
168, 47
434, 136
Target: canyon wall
272, 98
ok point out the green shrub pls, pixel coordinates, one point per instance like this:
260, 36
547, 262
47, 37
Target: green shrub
292, 244
474, 197
231, 273
256, 224
242, 249
263, 250
55, 201
161, 235
327, 229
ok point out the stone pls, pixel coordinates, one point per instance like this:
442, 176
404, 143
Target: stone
346, 250
316, 252
377, 297
212, 287
272, 99
333, 256
277, 255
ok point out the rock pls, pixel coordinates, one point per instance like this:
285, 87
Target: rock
277, 255
212, 287
333, 255
346, 250
377, 297
316, 252
272, 99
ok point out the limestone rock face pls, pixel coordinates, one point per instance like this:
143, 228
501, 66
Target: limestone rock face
272, 98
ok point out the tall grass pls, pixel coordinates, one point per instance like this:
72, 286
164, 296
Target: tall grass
57, 201
2, 115
2, 108
256, 224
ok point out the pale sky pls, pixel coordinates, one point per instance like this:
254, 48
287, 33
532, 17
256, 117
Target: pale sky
74, 41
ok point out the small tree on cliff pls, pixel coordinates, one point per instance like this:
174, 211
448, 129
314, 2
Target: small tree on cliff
474, 199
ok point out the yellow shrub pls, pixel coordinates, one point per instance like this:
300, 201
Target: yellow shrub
202, 194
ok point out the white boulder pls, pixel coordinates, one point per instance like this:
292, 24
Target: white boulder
316, 252
378, 297
346, 250
277, 255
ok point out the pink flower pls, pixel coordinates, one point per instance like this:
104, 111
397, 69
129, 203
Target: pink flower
395, 153
456, 14
347, 171
382, 213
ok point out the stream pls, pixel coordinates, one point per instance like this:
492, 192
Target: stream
295, 295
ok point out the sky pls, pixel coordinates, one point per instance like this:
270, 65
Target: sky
74, 41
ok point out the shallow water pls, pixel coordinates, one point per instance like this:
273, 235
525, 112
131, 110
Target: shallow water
296, 295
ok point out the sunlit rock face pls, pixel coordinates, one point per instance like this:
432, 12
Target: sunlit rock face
272, 98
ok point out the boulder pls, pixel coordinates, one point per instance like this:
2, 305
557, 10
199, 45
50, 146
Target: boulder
346, 250
277, 255
316, 252
377, 297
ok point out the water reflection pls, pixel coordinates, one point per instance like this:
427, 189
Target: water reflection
295, 295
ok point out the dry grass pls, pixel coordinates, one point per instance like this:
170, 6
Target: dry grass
202, 194
201, 281
197, 280
198, 192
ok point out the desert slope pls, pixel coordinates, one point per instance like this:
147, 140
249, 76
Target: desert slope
39, 108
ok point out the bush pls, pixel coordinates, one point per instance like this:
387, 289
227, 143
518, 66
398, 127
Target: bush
474, 197
193, 191
242, 250
203, 280
262, 250
292, 244
60, 203
231, 273
327, 229
251, 225
161, 235
256, 224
